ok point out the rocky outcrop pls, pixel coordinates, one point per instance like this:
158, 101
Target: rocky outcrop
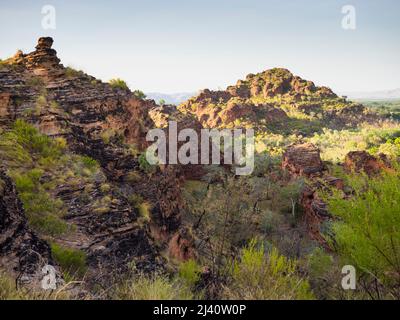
265, 100
95, 118
303, 160
181, 246
41, 62
108, 124
229, 108
314, 208
362, 161
22, 252
280, 81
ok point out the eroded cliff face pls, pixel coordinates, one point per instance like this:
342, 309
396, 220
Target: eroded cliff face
110, 125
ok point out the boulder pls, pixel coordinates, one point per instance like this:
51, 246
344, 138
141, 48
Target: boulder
303, 160
362, 161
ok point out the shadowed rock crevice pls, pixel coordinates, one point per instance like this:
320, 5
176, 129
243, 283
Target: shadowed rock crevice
22, 252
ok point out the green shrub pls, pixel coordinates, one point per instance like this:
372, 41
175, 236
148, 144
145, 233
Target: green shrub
41, 102
139, 94
108, 135
367, 233
105, 188
43, 212
30, 138
72, 73
256, 276
190, 271
8, 290
336, 144
135, 200
145, 211
319, 262
152, 287
13, 153
60, 143
89, 163
27, 182
71, 261
145, 165
118, 83
48, 224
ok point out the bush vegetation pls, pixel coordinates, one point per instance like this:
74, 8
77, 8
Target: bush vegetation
367, 233
152, 287
118, 83
71, 261
139, 94
37, 164
257, 276
9, 291
73, 73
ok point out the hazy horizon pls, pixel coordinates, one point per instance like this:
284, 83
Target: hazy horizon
185, 46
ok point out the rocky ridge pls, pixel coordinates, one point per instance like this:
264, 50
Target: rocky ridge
109, 125
22, 252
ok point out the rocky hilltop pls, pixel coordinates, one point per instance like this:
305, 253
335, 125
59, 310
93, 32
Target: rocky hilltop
274, 99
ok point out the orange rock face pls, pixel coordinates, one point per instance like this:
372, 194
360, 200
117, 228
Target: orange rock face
362, 161
303, 160
181, 246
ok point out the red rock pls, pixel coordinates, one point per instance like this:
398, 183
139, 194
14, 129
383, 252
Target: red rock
303, 160
4, 103
362, 161
181, 246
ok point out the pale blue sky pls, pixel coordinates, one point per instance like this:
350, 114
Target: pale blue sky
187, 45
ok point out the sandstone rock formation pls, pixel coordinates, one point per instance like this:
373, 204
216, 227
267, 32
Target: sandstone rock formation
265, 100
110, 125
362, 161
303, 160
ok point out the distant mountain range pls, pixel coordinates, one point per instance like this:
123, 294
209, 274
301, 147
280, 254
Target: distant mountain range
374, 95
172, 98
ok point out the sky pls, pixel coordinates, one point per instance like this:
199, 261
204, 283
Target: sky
186, 45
